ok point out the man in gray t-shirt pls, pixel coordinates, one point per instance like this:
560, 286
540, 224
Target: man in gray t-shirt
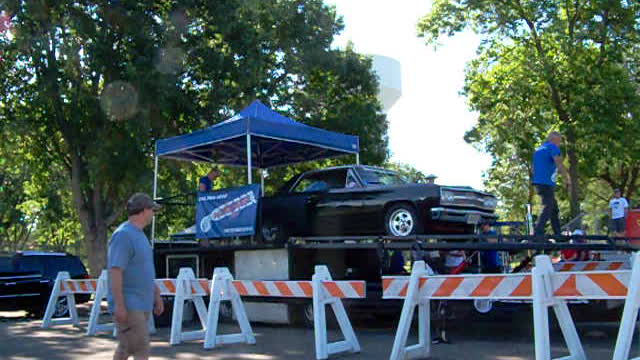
133, 293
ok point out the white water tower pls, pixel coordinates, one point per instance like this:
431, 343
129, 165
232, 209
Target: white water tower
389, 74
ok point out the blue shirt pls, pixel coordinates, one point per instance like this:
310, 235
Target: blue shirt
207, 183
544, 167
490, 258
130, 250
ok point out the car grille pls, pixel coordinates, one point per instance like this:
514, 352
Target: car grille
467, 198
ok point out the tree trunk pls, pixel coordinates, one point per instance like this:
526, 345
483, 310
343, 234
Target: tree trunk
96, 245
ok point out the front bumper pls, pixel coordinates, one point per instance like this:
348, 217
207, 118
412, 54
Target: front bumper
462, 215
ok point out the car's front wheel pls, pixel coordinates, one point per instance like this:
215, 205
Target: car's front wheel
402, 220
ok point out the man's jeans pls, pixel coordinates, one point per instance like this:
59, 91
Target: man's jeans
549, 211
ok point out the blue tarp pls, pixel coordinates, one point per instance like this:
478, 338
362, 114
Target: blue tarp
275, 140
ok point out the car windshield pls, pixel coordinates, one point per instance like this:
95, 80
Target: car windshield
382, 177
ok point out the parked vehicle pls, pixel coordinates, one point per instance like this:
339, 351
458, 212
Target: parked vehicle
366, 200
27, 278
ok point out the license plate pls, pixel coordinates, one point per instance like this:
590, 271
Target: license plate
473, 219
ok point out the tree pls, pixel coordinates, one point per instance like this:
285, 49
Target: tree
93, 84
550, 65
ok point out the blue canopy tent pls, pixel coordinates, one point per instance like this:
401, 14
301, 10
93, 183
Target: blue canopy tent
258, 137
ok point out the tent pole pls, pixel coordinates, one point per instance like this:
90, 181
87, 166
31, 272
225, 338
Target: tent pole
249, 167
155, 193
262, 171
357, 158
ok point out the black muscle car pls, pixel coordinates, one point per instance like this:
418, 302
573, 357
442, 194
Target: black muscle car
366, 200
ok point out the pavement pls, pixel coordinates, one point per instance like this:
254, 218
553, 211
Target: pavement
22, 338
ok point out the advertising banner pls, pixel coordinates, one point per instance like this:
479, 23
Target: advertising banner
227, 213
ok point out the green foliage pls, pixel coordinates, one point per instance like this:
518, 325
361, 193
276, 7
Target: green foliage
550, 65
91, 85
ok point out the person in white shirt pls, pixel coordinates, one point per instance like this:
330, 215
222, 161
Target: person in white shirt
618, 208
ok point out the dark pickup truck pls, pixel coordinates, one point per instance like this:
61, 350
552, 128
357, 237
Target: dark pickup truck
27, 278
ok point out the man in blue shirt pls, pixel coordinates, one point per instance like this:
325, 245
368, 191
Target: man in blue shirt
133, 292
206, 182
546, 163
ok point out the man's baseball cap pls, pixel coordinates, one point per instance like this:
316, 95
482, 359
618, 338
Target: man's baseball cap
140, 201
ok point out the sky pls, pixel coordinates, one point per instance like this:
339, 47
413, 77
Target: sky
429, 120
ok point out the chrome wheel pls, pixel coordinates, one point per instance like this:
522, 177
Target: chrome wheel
308, 314
401, 222
62, 308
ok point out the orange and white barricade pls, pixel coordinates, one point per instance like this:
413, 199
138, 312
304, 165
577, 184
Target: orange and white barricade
102, 290
185, 288
322, 289
591, 265
66, 288
544, 286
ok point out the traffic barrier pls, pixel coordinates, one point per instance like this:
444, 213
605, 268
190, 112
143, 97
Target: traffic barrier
185, 288
545, 287
591, 265
322, 289
102, 290
65, 287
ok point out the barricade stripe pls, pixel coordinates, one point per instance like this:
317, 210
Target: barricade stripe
262, 290
271, 288
448, 286
405, 288
386, 283
242, 290
609, 283
283, 288
71, 286
306, 287
568, 288
590, 266
170, 285
205, 285
567, 267
333, 289
615, 265
83, 286
524, 288
487, 286
359, 287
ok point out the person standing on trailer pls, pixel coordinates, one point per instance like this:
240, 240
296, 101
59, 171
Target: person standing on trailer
547, 160
207, 181
618, 210
133, 291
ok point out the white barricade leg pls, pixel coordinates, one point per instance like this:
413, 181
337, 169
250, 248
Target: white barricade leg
94, 318
183, 294
321, 298
222, 289
629, 314
543, 299
423, 348
60, 290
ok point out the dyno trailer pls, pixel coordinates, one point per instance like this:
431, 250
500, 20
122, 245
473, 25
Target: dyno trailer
258, 138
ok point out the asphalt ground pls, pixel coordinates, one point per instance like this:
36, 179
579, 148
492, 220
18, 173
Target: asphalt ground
477, 338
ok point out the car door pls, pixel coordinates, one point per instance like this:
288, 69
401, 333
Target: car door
291, 211
337, 209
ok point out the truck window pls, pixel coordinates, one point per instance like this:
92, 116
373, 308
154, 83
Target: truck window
71, 264
29, 264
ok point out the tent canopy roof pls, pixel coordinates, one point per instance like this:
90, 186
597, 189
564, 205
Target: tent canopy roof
275, 140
